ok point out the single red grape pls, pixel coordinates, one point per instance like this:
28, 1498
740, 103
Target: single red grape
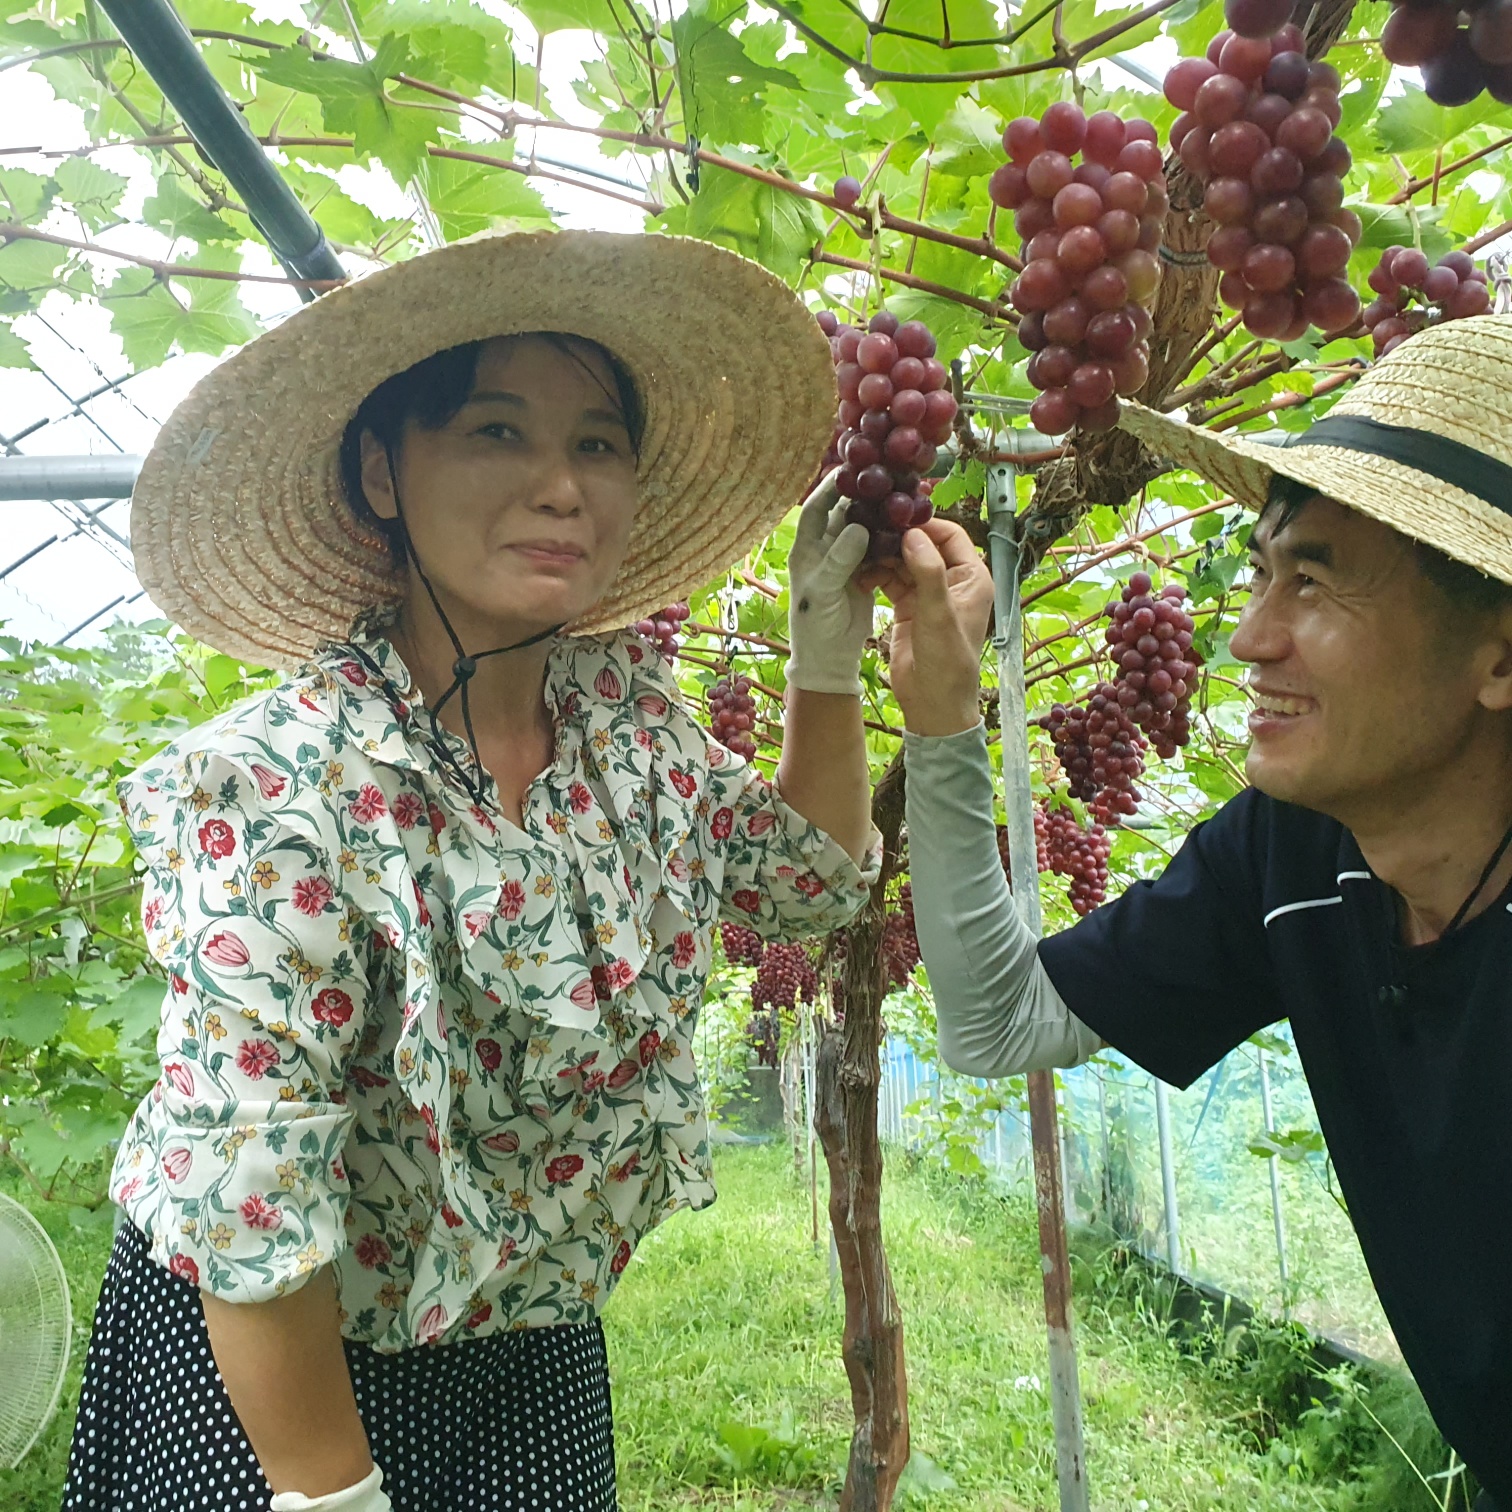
907, 373
877, 352
1066, 323
1246, 58
1184, 79
1105, 138
1287, 75
1054, 412
883, 323
1110, 334
1141, 157
1236, 148
1054, 367
1022, 139
1415, 33
1105, 288
1091, 384
1229, 201
1228, 246
1409, 268
1078, 205
1471, 298
907, 407
1064, 127
847, 192
1281, 220
1305, 131
1081, 249
1276, 172
914, 339
1141, 271
1268, 315
1268, 268
1008, 188
1257, 18
1267, 111
1331, 306
1119, 231
1323, 252
1130, 372
876, 391
1049, 173
1221, 100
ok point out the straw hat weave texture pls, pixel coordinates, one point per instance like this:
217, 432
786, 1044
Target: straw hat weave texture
240, 527
1452, 380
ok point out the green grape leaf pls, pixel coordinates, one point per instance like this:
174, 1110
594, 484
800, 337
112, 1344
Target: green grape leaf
353, 100
719, 82
14, 352
968, 143
93, 193
150, 318
25, 196
927, 103
471, 197
176, 212
1411, 122
549, 16
27, 270
775, 228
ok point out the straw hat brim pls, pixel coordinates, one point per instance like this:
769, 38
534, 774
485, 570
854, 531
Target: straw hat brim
1442, 381
240, 527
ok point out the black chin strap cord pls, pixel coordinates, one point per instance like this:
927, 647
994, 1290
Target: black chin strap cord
463, 668
1394, 995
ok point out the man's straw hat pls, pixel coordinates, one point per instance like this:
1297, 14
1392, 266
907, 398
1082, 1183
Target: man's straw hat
241, 530
1423, 443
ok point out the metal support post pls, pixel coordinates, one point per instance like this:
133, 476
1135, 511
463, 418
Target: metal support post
1168, 1176
1065, 1388
1275, 1186
161, 43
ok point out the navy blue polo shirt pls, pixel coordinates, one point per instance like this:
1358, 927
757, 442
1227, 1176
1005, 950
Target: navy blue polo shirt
1269, 911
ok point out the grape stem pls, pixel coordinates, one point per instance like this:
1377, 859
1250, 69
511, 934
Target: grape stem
1126, 544
1286, 401
1416, 186
924, 286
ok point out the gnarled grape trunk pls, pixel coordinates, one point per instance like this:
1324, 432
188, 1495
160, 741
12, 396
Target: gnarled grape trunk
845, 1115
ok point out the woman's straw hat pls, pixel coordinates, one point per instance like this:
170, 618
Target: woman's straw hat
1422, 442
239, 525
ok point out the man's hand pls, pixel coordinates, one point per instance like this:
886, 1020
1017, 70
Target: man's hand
941, 594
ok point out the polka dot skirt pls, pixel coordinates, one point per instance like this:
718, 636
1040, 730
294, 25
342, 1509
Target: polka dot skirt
515, 1422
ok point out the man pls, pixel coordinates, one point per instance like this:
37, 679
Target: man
1362, 887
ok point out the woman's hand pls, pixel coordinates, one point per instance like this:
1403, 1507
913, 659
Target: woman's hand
367, 1495
941, 593
829, 612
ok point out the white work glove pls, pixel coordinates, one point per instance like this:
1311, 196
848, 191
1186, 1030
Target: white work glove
829, 617
367, 1495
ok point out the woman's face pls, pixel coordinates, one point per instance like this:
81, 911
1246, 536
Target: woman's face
520, 506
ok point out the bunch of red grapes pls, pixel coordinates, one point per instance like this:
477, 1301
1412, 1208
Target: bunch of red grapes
1091, 233
1257, 128
784, 975
895, 410
900, 940
1069, 850
1411, 295
742, 946
1100, 751
1461, 47
1150, 639
661, 629
732, 715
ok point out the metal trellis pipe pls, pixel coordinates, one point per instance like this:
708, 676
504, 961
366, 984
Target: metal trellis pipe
1167, 1176
1065, 1388
162, 44
1267, 1110
110, 476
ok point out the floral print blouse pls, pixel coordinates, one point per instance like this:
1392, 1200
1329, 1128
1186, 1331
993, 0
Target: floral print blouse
403, 1036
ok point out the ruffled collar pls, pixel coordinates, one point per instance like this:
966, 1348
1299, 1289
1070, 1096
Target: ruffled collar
619, 804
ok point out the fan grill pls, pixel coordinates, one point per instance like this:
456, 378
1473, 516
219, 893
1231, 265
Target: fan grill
36, 1326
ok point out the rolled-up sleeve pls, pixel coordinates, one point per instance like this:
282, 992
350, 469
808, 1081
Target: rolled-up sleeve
783, 877
232, 1165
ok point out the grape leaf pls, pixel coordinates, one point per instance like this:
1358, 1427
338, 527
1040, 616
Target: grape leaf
775, 228
452, 42
177, 213
93, 193
14, 352
27, 270
718, 81
470, 197
569, 15
968, 142
150, 319
353, 101
1411, 122
929, 104
25, 196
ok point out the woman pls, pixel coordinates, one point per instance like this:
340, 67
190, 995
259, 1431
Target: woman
436, 911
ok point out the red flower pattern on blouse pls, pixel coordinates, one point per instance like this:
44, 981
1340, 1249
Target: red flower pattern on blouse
371, 1251
185, 1269
269, 783
683, 950
217, 839
256, 1212
227, 949
511, 899
621, 1258
332, 1006
490, 1055
407, 809
368, 805
563, 1168
255, 1058
722, 823
313, 895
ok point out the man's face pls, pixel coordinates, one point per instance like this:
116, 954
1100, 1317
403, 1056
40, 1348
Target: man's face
1365, 688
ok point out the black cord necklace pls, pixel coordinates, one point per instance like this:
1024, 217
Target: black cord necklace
1394, 994
463, 668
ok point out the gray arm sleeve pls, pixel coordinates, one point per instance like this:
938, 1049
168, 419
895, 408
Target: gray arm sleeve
998, 1011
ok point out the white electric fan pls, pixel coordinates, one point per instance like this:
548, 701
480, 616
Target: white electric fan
36, 1324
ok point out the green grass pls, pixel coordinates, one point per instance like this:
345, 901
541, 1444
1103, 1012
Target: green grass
725, 1321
